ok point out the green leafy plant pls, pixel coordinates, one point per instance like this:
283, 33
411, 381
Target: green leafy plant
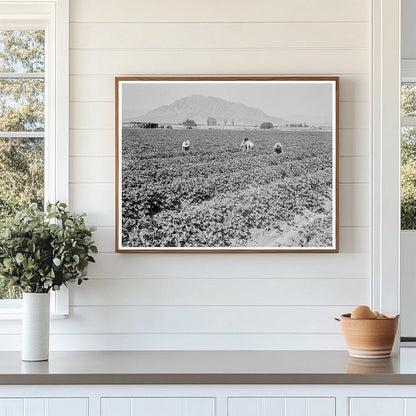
43, 251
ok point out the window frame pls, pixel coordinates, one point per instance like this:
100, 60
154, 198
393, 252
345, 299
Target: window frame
53, 17
385, 156
408, 76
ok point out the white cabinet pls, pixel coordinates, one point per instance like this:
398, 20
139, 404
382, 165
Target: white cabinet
208, 400
44, 407
159, 406
281, 406
382, 406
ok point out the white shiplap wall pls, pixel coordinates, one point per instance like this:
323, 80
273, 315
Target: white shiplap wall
214, 301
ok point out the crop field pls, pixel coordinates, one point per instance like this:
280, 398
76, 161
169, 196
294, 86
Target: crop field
217, 195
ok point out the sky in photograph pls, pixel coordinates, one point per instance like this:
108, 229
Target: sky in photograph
307, 101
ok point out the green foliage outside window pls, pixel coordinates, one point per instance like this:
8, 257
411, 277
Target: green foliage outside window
408, 179
21, 110
408, 160
408, 107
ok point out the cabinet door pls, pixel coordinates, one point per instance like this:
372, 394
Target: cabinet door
254, 406
377, 406
160, 406
44, 407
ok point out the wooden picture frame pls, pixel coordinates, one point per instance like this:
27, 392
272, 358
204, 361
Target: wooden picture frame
227, 164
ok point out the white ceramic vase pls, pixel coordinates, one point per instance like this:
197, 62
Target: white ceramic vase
35, 326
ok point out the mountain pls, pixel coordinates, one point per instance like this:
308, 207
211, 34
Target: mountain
199, 108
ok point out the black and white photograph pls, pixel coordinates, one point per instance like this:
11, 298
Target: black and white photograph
227, 164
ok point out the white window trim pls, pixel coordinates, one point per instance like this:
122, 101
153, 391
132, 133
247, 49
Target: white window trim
408, 121
32, 13
409, 70
385, 115
408, 75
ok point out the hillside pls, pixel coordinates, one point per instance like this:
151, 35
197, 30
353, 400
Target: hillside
199, 108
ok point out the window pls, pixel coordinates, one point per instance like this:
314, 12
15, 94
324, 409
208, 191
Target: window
22, 124
408, 154
33, 113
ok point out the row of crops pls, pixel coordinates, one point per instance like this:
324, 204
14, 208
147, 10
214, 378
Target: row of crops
219, 196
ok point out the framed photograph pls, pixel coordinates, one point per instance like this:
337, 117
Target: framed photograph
227, 164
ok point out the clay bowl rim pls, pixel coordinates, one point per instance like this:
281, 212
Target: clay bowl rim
347, 316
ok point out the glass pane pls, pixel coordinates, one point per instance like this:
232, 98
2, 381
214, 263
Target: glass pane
22, 105
21, 109
22, 51
21, 182
21, 173
408, 178
408, 99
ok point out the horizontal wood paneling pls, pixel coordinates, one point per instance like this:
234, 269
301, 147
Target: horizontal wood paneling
200, 319
94, 88
194, 319
354, 115
193, 341
213, 301
352, 239
354, 208
354, 170
98, 88
92, 143
91, 169
231, 266
219, 11
99, 115
98, 199
229, 61
353, 88
218, 291
218, 35
354, 142
105, 238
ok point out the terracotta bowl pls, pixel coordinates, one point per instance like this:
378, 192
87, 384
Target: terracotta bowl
369, 338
